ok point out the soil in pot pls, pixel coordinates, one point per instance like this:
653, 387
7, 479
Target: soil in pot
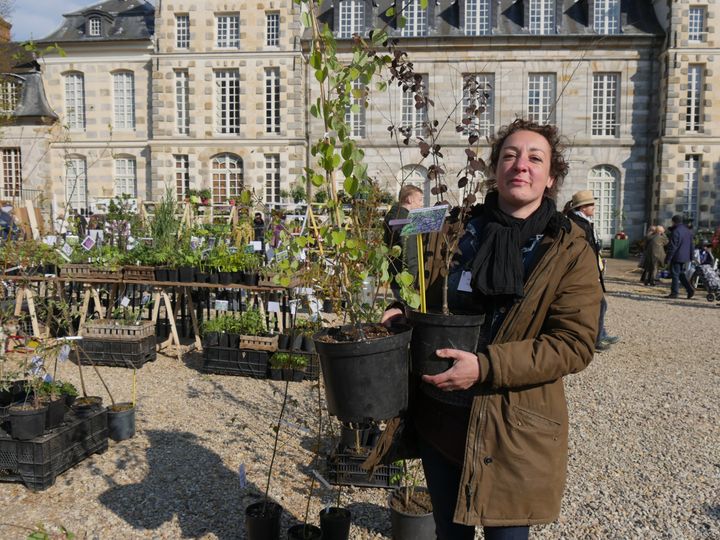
262, 521
304, 532
413, 521
27, 422
335, 523
368, 379
86, 404
121, 421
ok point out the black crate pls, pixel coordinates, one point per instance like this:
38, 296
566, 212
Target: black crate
343, 469
231, 361
37, 463
118, 353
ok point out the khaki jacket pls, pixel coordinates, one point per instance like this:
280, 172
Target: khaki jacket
517, 441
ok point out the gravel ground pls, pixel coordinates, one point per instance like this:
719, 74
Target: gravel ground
644, 443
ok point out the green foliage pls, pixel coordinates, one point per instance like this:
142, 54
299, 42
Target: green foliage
298, 361
164, 226
252, 323
280, 360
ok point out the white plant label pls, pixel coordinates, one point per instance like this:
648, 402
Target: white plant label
125, 302
221, 305
273, 307
465, 279
67, 249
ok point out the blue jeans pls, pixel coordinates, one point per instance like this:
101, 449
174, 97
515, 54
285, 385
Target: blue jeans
443, 480
677, 273
602, 334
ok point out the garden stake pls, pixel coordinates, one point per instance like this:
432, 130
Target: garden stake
421, 274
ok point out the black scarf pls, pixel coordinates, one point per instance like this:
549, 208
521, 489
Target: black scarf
498, 265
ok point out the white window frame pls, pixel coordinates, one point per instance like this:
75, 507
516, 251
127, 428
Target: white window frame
478, 17
693, 110
124, 100
227, 27
355, 120
272, 180
9, 95
541, 14
607, 17
94, 26
412, 117
227, 101
12, 173
604, 182
696, 23
541, 97
125, 176
227, 175
272, 29
484, 125
416, 20
182, 175
182, 102
691, 185
272, 100
76, 183
605, 92
182, 31
75, 100
351, 18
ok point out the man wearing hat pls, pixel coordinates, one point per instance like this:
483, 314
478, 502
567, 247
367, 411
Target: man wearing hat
581, 209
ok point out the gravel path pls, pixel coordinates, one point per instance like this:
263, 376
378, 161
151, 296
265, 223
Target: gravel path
644, 444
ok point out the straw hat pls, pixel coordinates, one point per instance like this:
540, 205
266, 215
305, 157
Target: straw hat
582, 198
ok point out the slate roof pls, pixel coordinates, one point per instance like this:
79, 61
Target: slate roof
121, 20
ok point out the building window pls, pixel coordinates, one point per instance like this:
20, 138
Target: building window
124, 100
228, 31
76, 183
182, 175
125, 177
477, 17
416, 20
272, 29
9, 95
94, 26
605, 105
691, 178
227, 175
182, 31
694, 98
12, 173
542, 16
603, 182
75, 100
272, 180
478, 104
272, 100
541, 97
182, 104
696, 23
355, 113
607, 16
227, 101
414, 120
352, 18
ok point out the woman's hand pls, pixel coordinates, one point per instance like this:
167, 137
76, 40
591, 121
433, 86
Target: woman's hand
464, 373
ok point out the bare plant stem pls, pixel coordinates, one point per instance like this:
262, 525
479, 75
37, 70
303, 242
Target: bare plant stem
275, 445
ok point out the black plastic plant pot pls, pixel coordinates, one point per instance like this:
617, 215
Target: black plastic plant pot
186, 274
234, 341
304, 532
161, 274
298, 375
27, 422
84, 406
327, 306
335, 523
276, 374
283, 342
225, 278
251, 279
351, 437
55, 413
201, 277
296, 342
173, 275
69, 400
121, 421
262, 521
365, 380
433, 331
211, 339
308, 345
287, 374
213, 278
410, 526
224, 339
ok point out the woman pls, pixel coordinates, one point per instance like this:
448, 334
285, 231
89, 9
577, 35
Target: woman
654, 254
493, 428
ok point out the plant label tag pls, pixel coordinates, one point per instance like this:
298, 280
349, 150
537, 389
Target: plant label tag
97, 234
125, 302
304, 290
67, 250
242, 477
194, 242
88, 243
465, 279
293, 306
314, 304
221, 305
273, 307
50, 240
256, 245
145, 298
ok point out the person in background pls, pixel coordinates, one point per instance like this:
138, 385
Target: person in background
679, 254
581, 212
409, 198
259, 227
654, 254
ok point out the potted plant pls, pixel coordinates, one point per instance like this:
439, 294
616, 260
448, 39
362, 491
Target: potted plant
278, 361
410, 506
298, 363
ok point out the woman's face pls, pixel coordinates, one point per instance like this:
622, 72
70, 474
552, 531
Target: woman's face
523, 173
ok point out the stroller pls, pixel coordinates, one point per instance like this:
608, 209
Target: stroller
707, 276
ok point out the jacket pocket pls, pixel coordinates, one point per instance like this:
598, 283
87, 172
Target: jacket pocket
525, 419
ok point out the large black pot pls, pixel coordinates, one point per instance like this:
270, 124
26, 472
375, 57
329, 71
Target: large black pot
304, 532
121, 421
432, 331
407, 526
173, 275
335, 523
365, 380
26, 423
186, 274
262, 521
86, 405
251, 278
55, 412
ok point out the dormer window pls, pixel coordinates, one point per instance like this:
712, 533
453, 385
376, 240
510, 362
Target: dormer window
94, 26
9, 95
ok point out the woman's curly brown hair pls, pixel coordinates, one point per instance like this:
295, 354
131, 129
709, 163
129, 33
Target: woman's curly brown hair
558, 165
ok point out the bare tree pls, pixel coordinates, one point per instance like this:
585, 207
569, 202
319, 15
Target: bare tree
6, 8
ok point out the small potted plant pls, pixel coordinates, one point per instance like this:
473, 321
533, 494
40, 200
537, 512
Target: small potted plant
410, 506
278, 361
